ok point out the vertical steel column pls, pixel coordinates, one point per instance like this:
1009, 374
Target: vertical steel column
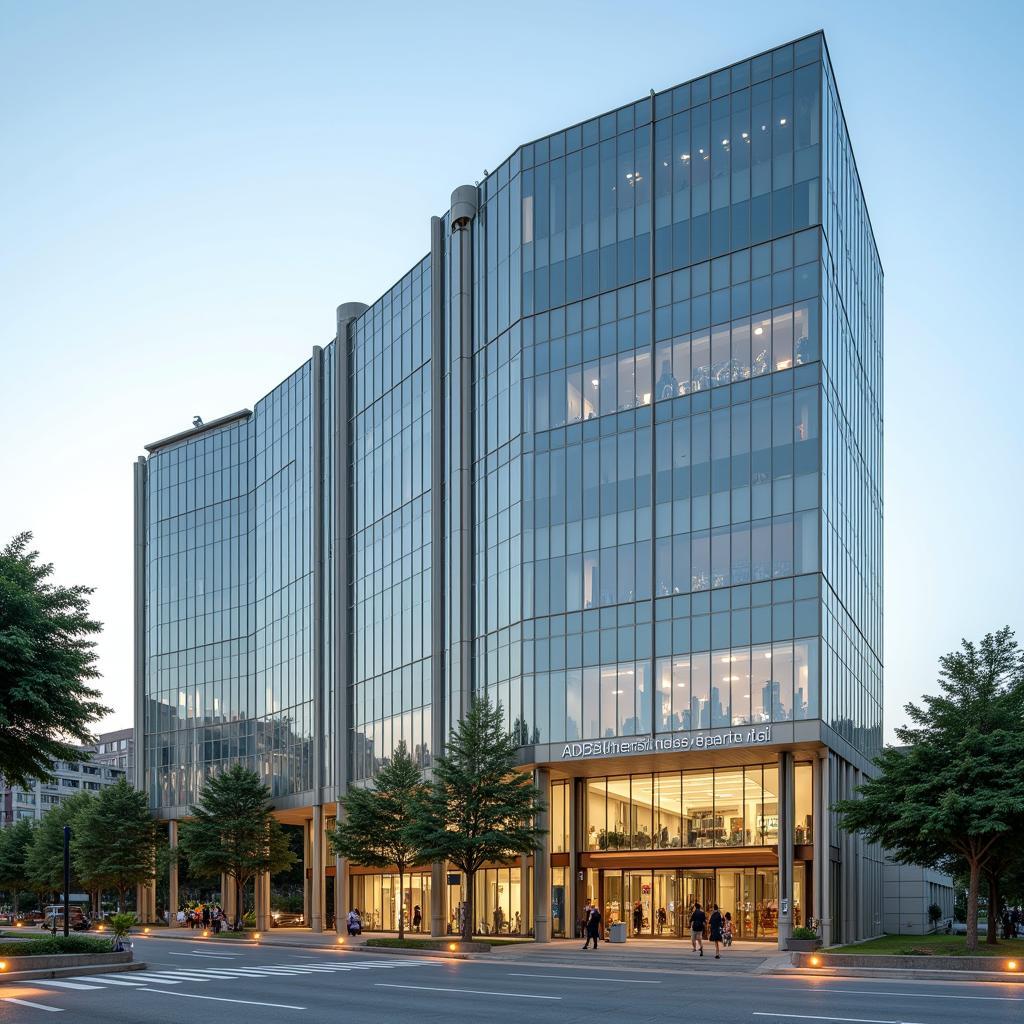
572, 901
464, 205
823, 847
341, 625
139, 549
785, 847
316, 888
172, 881
542, 862
438, 712
317, 527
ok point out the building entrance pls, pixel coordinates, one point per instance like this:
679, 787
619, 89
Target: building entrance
657, 903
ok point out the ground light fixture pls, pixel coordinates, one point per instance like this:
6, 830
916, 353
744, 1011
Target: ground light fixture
452, 946
3, 965
341, 940
206, 934
815, 961
256, 936
1012, 965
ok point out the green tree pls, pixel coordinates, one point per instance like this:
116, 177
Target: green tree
47, 657
377, 827
479, 806
15, 842
956, 790
114, 840
233, 832
45, 859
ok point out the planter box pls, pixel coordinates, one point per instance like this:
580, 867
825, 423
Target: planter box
53, 960
803, 945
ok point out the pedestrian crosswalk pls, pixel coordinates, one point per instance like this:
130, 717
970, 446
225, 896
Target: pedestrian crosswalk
173, 976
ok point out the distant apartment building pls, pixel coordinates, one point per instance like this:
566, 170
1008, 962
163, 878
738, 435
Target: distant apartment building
103, 763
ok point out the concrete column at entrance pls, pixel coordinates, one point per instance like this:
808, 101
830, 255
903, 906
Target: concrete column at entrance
172, 880
786, 793
228, 897
341, 893
316, 888
862, 909
307, 905
438, 889
849, 877
822, 848
524, 898
261, 891
573, 886
542, 862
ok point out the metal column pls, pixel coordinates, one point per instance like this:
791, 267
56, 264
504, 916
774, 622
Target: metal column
542, 863
172, 880
786, 794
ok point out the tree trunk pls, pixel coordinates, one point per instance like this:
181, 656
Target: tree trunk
992, 936
401, 904
239, 908
120, 903
467, 918
972, 904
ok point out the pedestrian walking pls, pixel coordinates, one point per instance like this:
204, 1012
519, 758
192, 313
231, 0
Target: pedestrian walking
417, 917
698, 921
716, 927
727, 930
206, 916
638, 918
591, 924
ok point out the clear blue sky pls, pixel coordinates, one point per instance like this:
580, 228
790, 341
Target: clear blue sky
187, 190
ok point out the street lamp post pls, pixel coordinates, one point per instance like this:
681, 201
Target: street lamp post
67, 879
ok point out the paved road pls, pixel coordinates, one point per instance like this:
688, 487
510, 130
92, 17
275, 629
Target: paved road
273, 985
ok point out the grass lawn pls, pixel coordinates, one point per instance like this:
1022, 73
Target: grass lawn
933, 945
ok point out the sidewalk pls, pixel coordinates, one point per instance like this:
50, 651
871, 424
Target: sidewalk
638, 954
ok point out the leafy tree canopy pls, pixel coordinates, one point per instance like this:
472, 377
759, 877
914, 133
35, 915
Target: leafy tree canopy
15, 843
376, 828
479, 807
114, 840
956, 791
232, 830
47, 657
46, 855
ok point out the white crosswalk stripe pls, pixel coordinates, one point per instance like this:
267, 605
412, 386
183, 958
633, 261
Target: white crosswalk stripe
219, 972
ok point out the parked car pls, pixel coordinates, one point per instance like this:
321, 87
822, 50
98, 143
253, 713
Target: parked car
53, 918
286, 919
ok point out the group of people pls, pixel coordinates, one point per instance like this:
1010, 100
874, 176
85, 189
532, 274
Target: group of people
208, 916
716, 927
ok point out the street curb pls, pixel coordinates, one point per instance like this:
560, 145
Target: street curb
903, 973
333, 948
71, 972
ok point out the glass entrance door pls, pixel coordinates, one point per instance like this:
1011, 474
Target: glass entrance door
638, 910
697, 887
667, 911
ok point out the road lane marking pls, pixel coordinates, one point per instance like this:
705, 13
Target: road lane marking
920, 995
159, 980
814, 1016
222, 999
569, 977
35, 1006
212, 956
96, 980
68, 984
479, 992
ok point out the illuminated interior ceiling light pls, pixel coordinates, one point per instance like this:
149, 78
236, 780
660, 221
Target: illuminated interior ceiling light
725, 142
685, 156
594, 382
745, 135
764, 127
759, 330
782, 120
616, 691
664, 163
767, 654
701, 151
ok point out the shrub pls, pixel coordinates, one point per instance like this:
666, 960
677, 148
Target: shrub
121, 924
47, 945
800, 932
934, 913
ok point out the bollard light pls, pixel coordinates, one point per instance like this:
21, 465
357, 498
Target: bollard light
341, 941
452, 946
1011, 965
145, 931
3, 965
815, 961
256, 936
206, 934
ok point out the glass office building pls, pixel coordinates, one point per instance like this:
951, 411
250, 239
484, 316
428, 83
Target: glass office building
610, 454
